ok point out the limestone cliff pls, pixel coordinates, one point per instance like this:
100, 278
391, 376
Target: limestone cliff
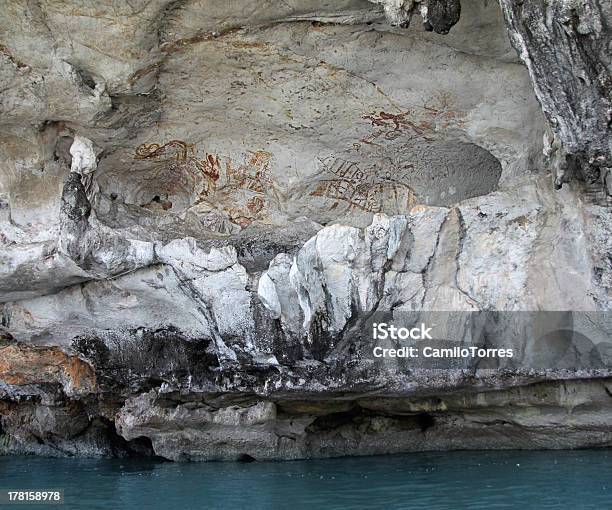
204, 205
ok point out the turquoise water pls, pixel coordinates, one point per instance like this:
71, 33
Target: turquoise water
450, 481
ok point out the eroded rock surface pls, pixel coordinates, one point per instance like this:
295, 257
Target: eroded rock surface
566, 47
204, 205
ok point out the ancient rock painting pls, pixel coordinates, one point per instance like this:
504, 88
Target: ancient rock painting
414, 123
367, 188
237, 190
244, 188
181, 155
382, 187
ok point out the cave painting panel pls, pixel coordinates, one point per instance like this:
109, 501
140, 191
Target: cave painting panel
237, 189
417, 123
370, 188
364, 179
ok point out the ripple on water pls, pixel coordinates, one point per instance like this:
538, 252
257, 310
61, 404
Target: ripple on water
432, 481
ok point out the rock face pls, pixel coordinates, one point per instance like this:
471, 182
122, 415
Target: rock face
566, 47
204, 206
437, 15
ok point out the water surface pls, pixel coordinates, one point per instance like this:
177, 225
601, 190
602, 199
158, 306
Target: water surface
432, 481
